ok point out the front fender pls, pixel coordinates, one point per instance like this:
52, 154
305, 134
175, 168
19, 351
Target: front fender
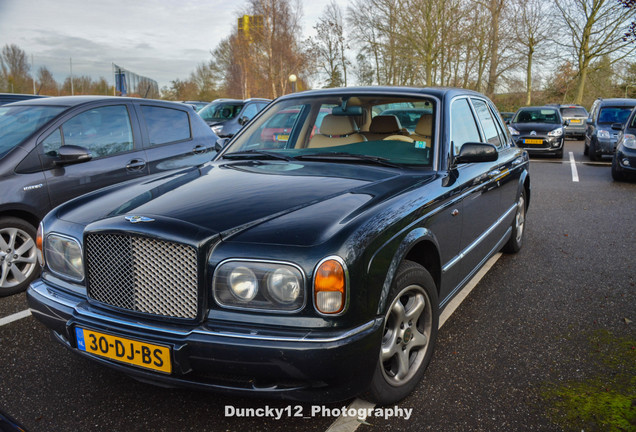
401, 245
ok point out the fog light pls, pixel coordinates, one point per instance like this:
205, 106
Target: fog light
626, 162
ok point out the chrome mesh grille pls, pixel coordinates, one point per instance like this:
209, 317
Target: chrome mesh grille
142, 274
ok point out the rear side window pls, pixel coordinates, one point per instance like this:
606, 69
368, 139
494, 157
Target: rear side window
463, 126
166, 125
488, 123
104, 131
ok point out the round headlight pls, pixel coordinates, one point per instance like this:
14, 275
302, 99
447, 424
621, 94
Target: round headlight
243, 283
283, 285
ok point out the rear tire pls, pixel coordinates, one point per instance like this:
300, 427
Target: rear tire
18, 255
410, 331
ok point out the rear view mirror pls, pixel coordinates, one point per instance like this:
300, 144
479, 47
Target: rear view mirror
243, 120
476, 152
72, 154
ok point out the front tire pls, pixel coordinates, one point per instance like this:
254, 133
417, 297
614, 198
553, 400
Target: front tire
18, 255
515, 242
616, 174
410, 332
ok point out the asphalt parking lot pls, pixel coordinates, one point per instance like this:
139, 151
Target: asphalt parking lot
526, 326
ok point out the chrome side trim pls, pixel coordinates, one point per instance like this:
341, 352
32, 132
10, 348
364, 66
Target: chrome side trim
478, 240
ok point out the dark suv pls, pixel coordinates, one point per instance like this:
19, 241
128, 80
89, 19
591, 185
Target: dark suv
624, 160
227, 116
600, 136
55, 149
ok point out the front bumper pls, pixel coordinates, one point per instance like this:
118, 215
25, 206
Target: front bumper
296, 364
625, 160
548, 145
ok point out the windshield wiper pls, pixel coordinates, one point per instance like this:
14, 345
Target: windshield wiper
249, 154
347, 157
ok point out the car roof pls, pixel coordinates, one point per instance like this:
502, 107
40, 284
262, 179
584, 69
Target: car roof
71, 101
618, 102
440, 92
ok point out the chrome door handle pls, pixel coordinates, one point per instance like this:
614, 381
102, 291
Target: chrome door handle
494, 173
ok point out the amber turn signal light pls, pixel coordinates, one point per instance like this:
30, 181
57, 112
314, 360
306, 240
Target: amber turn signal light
330, 287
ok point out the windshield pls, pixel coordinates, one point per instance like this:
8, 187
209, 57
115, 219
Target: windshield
614, 114
19, 122
221, 111
538, 115
342, 129
573, 112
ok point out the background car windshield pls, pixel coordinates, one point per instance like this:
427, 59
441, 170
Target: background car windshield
18, 123
614, 114
573, 112
220, 111
342, 126
537, 116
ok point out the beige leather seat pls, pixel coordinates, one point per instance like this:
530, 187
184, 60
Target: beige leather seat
335, 131
383, 126
424, 129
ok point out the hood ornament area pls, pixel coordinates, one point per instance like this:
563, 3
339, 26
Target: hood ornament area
137, 219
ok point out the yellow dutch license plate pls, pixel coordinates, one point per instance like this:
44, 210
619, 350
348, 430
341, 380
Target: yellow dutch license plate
133, 352
575, 121
282, 137
533, 141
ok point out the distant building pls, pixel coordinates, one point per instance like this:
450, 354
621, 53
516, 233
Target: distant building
248, 24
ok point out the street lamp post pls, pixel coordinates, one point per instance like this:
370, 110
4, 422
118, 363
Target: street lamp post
292, 79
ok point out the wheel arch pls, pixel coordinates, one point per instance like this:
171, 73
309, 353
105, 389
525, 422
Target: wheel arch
26, 216
421, 247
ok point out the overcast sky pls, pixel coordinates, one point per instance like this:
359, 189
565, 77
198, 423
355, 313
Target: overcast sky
161, 39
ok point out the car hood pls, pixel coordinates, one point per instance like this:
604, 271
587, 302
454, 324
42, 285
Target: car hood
230, 198
540, 128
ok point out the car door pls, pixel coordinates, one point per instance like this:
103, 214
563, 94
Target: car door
477, 183
107, 132
168, 139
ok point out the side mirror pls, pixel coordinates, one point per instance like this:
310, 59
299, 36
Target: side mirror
589, 121
243, 120
72, 154
617, 126
220, 144
566, 123
476, 152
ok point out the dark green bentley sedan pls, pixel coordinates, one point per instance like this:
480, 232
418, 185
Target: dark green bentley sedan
309, 263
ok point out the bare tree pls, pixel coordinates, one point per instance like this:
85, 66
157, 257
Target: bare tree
46, 84
596, 29
532, 24
330, 45
14, 70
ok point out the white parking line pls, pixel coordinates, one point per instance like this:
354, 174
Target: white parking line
350, 424
15, 317
575, 173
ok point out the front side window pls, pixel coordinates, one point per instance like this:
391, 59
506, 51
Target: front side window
334, 128
104, 131
20, 122
166, 125
463, 126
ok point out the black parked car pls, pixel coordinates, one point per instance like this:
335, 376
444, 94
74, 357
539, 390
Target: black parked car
600, 136
54, 149
227, 116
317, 271
624, 160
539, 130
